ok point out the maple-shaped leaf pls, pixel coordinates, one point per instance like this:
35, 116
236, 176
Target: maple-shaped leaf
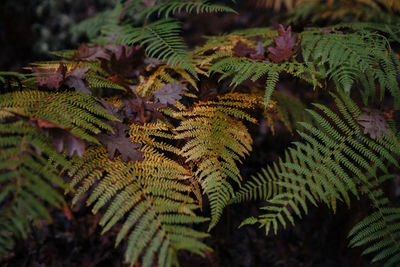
260, 51
110, 108
51, 78
125, 61
121, 143
60, 136
91, 53
139, 110
285, 45
169, 93
74, 80
374, 123
241, 49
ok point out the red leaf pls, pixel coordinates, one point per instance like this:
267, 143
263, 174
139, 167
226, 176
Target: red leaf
285, 45
374, 123
119, 142
141, 111
91, 53
169, 93
125, 61
60, 136
49, 78
241, 49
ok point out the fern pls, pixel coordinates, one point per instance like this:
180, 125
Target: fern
217, 141
161, 40
171, 7
159, 210
359, 57
329, 165
27, 179
379, 231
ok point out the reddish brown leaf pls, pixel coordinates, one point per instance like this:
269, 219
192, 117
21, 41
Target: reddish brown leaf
42, 123
169, 93
119, 142
260, 51
374, 123
127, 62
60, 136
285, 45
241, 49
50, 78
91, 53
139, 110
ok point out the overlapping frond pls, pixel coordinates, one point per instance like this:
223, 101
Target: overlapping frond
217, 141
354, 58
151, 198
171, 7
334, 158
28, 176
379, 232
161, 40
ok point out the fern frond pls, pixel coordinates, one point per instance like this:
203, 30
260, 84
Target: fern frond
217, 141
171, 7
379, 232
333, 160
161, 40
151, 198
356, 57
74, 110
27, 180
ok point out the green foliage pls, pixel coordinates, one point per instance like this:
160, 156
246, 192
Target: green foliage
217, 141
156, 213
161, 39
171, 7
27, 179
333, 160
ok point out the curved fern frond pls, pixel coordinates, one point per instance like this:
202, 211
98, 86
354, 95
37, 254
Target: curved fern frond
333, 160
74, 110
359, 57
217, 141
152, 198
27, 179
379, 232
171, 7
161, 40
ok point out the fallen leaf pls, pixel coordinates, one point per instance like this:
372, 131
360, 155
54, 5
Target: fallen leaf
285, 45
260, 51
91, 53
60, 136
51, 78
121, 143
241, 49
169, 93
374, 123
139, 110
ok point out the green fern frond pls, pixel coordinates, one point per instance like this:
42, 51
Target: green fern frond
161, 40
94, 26
171, 7
333, 160
379, 232
27, 180
352, 58
74, 110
